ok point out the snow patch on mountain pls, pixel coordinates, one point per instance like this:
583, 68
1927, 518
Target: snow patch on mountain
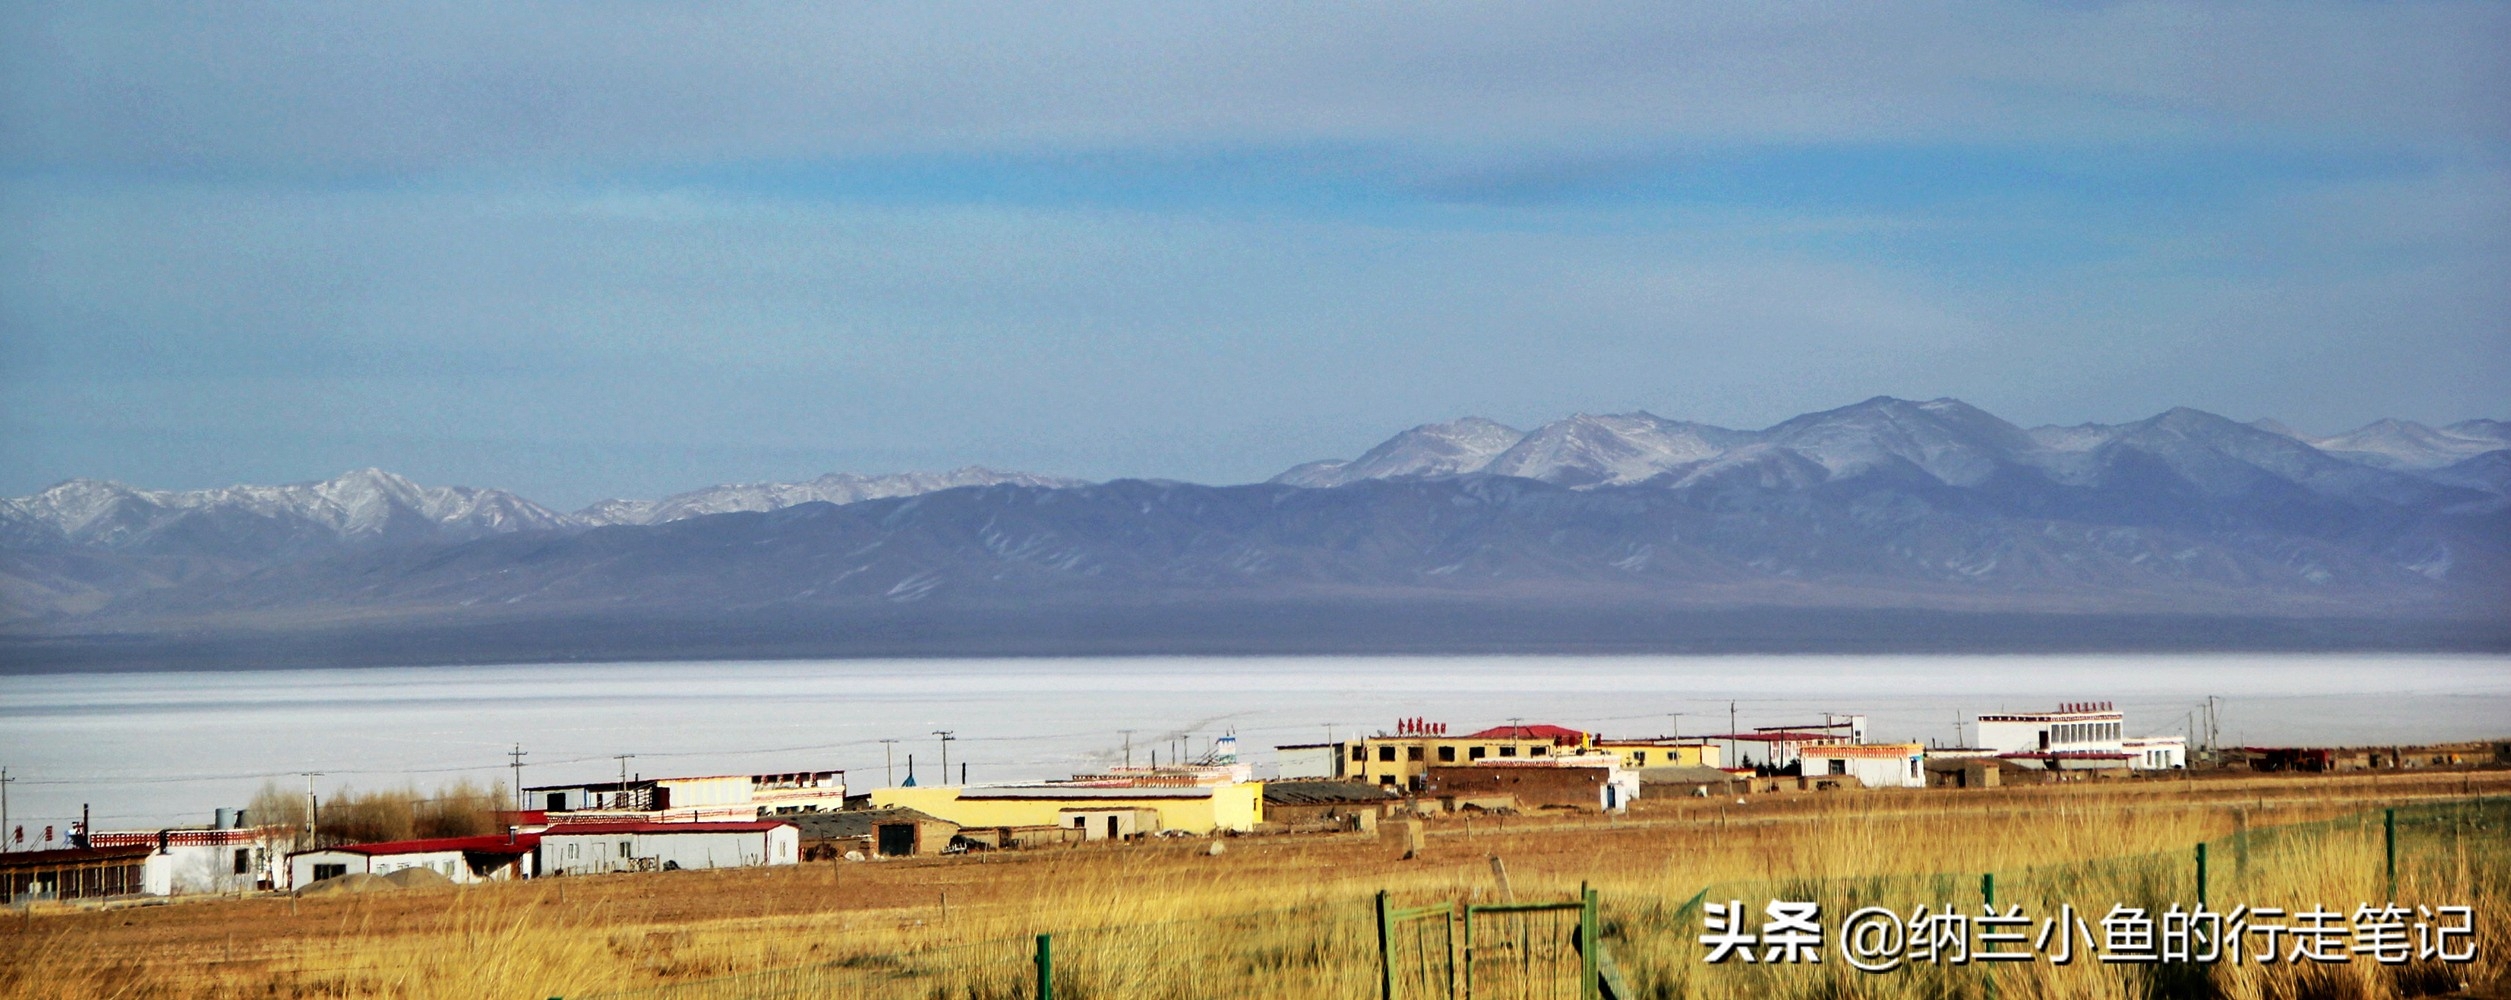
1454, 448
2407, 445
836, 488
1612, 449
1953, 441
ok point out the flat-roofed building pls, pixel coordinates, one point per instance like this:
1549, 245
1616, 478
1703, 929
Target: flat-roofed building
75, 873
2075, 727
1665, 751
1400, 758
200, 860
490, 857
1199, 809
587, 848
731, 798
1874, 765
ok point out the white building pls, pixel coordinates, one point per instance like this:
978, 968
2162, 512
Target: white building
707, 798
2077, 727
1874, 765
462, 859
589, 848
198, 861
2156, 753
1308, 761
2078, 736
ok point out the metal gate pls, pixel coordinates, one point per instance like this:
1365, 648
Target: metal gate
1509, 951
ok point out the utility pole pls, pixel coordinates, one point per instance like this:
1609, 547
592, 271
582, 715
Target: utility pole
1730, 734
621, 802
947, 736
889, 763
4, 808
310, 806
1128, 748
514, 758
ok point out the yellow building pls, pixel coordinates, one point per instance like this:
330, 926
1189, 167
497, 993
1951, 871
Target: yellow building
1194, 809
1404, 759
1665, 753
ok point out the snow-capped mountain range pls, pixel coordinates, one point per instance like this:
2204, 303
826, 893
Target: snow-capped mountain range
368, 505
1886, 503
374, 506
1950, 441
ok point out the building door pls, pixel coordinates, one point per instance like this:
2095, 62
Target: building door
897, 839
1111, 829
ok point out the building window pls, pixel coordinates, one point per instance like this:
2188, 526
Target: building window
243, 860
1359, 753
1386, 754
623, 848
322, 872
1537, 751
1474, 753
1639, 758
1412, 753
1386, 779
1508, 751
1447, 755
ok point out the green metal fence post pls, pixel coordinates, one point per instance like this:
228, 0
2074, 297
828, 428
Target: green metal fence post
2389, 823
1046, 967
1589, 987
1386, 951
1988, 888
2201, 873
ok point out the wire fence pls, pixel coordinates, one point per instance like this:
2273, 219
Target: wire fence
2426, 856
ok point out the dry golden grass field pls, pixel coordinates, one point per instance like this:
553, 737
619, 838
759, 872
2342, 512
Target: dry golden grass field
1292, 916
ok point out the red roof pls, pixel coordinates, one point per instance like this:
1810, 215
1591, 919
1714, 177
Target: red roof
174, 838
1556, 734
494, 843
753, 826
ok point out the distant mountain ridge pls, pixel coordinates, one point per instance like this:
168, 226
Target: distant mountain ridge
1951, 441
836, 487
1886, 505
368, 505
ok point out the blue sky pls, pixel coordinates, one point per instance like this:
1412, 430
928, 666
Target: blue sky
623, 250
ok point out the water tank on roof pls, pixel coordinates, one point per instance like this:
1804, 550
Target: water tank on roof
226, 819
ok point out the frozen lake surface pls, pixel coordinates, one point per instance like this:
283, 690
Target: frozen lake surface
147, 750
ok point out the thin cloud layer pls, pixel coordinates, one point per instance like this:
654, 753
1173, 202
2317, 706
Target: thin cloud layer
605, 250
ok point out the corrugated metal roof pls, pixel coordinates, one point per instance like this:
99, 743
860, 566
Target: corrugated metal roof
597, 829
72, 856
856, 822
494, 843
1290, 793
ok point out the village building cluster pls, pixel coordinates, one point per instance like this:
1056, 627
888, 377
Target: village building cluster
1415, 768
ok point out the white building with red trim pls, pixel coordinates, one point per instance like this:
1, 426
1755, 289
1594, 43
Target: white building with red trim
2079, 736
205, 860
